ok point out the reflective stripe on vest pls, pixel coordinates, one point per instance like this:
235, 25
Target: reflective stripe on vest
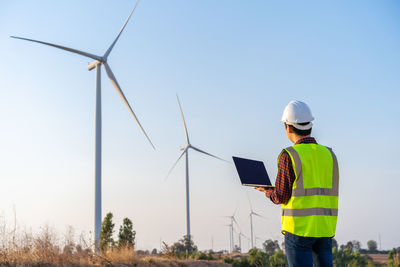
309, 212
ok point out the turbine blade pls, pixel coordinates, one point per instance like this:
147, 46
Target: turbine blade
119, 34
237, 224
173, 166
183, 121
61, 47
201, 151
121, 94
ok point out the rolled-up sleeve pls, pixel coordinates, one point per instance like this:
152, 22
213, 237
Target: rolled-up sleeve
284, 180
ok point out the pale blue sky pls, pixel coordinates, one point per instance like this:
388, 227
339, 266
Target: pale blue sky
235, 65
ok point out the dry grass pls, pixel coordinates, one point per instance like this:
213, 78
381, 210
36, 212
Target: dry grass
23, 249
44, 248
41, 250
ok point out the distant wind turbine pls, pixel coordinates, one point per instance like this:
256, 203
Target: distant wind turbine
239, 232
231, 225
98, 61
230, 236
240, 235
248, 240
251, 221
186, 153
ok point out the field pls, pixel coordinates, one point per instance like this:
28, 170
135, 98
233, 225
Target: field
46, 248
379, 258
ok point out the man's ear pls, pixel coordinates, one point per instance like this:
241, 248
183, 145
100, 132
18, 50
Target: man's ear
289, 129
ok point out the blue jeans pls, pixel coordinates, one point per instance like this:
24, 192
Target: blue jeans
308, 251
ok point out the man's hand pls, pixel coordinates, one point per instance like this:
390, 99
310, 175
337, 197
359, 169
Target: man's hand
267, 190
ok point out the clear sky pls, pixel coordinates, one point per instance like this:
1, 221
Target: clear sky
235, 65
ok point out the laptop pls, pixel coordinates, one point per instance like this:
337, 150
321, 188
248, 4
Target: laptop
252, 172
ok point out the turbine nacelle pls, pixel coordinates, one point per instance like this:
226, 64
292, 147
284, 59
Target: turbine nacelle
94, 64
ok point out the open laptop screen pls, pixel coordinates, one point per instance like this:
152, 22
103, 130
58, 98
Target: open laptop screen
252, 172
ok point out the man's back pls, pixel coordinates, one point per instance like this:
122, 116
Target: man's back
312, 209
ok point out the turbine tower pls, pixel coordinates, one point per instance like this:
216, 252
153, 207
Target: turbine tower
251, 222
96, 64
185, 152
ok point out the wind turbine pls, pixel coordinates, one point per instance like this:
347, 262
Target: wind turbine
233, 221
185, 152
251, 221
98, 61
240, 235
247, 238
230, 236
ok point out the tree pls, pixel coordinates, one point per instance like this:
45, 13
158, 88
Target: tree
258, 258
188, 245
126, 235
106, 233
372, 245
334, 243
346, 258
394, 258
353, 246
356, 245
357, 260
279, 259
349, 246
270, 247
181, 249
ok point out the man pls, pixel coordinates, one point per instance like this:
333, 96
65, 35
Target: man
307, 187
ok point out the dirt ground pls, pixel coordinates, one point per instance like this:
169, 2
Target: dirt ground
378, 258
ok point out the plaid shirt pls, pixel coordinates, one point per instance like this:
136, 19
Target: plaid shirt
285, 177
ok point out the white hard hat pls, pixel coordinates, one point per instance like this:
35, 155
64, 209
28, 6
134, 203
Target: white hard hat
298, 112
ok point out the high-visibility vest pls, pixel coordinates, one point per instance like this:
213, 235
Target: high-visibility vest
313, 207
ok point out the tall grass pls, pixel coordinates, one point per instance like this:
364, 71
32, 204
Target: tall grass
46, 248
